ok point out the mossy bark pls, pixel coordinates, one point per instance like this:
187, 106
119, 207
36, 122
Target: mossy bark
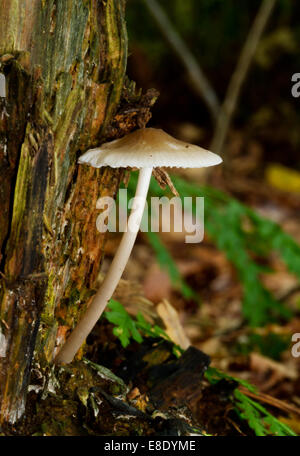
64, 63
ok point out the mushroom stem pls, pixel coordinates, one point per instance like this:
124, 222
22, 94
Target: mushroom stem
103, 295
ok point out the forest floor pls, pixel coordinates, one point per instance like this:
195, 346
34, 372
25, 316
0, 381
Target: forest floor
143, 387
215, 324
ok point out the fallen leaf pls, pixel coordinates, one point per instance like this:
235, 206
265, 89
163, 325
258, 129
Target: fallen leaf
172, 324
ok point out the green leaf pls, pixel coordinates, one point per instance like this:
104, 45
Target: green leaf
125, 326
258, 418
213, 375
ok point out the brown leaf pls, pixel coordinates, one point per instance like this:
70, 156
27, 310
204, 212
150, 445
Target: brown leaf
172, 323
163, 179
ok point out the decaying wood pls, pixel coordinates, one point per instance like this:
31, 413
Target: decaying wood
180, 380
64, 64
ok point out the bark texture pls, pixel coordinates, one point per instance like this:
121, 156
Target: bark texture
64, 62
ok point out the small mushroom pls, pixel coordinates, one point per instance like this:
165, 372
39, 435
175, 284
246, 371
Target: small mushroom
144, 149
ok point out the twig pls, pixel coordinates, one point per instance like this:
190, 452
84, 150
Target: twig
278, 403
163, 179
235, 85
199, 81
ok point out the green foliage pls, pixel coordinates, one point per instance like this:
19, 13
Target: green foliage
276, 239
157, 332
243, 235
259, 419
149, 330
225, 225
125, 327
271, 345
213, 375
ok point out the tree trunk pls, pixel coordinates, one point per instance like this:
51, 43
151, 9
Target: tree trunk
64, 63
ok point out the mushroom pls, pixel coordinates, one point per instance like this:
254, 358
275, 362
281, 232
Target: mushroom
144, 149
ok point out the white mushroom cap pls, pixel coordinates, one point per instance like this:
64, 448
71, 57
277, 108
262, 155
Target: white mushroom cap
149, 147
